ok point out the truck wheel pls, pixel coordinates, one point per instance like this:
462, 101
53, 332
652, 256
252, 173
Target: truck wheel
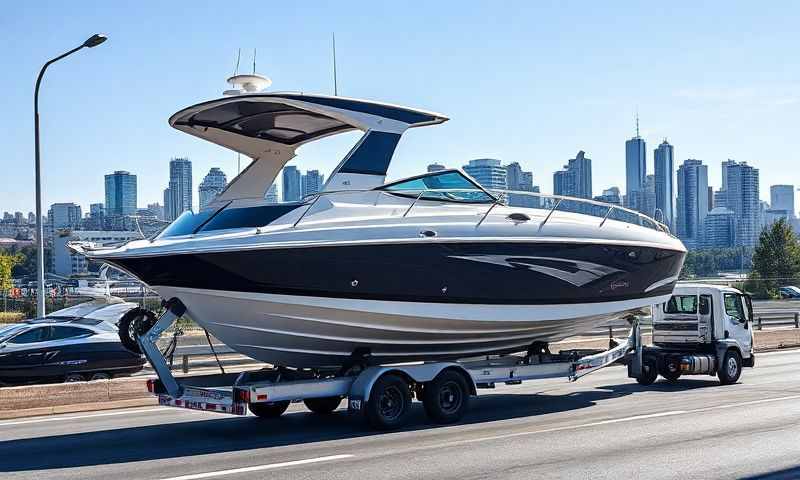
389, 402
323, 405
268, 410
731, 368
446, 397
671, 371
649, 372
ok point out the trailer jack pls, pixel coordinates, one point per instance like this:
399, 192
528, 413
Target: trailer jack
174, 309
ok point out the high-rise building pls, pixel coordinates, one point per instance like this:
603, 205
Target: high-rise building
719, 229
518, 179
488, 173
157, 209
312, 182
292, 187
212, 185
742, 196
649, 197
64, 215
576, 178
120, 193
435, 167
19, 218
781, 197
178, 195
610, 195
663, 158
692, 202
711, 204
271, 195
31, 218
635, 170
725, 166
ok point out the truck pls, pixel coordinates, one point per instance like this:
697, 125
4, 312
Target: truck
702, 329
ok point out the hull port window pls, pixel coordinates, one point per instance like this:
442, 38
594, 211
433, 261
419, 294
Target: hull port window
448, 186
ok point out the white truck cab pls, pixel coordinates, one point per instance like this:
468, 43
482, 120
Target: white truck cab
701, 329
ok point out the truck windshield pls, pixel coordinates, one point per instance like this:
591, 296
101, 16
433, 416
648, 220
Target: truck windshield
681, 304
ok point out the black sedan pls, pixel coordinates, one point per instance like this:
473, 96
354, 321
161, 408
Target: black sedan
65, 348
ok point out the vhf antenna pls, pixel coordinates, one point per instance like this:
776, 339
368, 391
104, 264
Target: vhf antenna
335, 85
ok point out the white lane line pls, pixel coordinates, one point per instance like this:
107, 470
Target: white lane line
611, 421
258, 468
79, 417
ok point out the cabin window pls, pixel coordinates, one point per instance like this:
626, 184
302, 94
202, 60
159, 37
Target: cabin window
33, 335
733, 307
247, 217
63, 333
687, 304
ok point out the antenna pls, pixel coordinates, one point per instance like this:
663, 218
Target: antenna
637, 122
254, 61
335, 85
238, 57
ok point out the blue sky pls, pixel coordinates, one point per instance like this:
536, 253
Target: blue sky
532, 82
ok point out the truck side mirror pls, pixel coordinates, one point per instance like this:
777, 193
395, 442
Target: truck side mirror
749, 300
704, 310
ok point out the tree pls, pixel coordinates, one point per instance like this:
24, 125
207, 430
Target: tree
7, 262
776, 258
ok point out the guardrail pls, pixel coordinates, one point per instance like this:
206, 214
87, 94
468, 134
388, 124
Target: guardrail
187, 352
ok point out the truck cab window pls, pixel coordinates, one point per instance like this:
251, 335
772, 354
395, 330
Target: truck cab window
734, 308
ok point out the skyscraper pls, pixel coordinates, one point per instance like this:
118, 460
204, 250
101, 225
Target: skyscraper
610, 195
291, 184
271, 195
435, 167
120, 193
649, 196
312, 182
576, 178
781, 197
742, 196
488, 173
212, 185
692, 202
64, 215
635, 170
664, 186
719, 229
178, 195
518, 179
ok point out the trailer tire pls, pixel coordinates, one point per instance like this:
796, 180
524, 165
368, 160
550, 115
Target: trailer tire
731, 368
649, 372
446, 397
135, 322
268, 410
389, 402
323, 405
74, 377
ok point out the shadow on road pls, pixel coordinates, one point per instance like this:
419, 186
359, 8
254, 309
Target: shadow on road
226, 434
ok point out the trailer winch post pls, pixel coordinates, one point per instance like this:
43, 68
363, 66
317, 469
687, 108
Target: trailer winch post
635, 370
147, 342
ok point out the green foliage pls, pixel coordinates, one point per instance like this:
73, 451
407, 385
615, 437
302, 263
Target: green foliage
776, 259
7, 263
709, 262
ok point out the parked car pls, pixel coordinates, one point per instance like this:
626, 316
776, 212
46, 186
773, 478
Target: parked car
789, 291
75, 344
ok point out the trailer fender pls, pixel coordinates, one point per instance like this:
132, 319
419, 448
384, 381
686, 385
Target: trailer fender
362, 386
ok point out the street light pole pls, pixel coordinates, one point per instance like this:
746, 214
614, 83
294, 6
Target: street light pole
91, 42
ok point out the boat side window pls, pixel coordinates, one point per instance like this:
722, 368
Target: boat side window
34, 335
63, 333
447, 186
734, 308
244, 217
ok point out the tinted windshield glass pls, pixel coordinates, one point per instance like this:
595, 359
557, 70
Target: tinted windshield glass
62, 333
38, 334
448, 186
247, 217
9, 331
187, 223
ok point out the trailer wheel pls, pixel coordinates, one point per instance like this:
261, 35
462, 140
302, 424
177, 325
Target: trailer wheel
446, 397
671, 370
100, 376
324, 405
731, 368
135, 322
74, 377
389, 402
649, 372
268, 410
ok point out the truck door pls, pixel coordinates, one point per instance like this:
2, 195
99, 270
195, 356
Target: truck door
737, 321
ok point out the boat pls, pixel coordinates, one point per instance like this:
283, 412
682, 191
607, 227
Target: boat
425, 268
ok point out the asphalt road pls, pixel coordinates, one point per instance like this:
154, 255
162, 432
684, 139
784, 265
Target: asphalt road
603, 426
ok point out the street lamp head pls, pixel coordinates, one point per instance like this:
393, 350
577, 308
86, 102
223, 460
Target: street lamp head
95, 40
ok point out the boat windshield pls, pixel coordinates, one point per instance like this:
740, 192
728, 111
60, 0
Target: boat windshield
449, 186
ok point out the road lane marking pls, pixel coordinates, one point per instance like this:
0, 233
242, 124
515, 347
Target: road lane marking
258, 468
79, 417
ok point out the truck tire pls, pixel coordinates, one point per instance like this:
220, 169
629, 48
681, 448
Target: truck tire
671, 370
446, 397
268, 410
389, 403
731, 368
649, 372
323, 405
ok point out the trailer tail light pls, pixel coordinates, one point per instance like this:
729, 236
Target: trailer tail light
151, 385
261, 397
243, 395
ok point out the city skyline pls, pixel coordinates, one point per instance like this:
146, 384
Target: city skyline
713, 101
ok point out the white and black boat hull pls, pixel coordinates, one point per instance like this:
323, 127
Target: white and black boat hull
320, 332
